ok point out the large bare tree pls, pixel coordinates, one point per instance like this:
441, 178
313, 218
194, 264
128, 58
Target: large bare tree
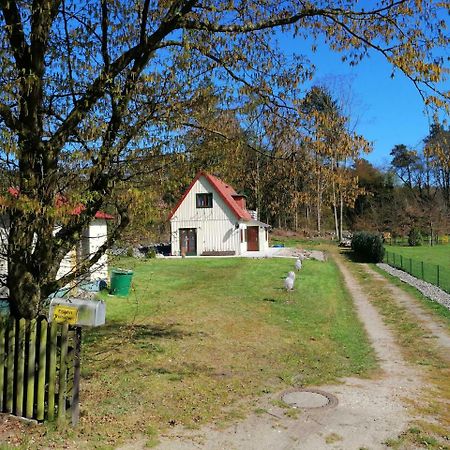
89, 85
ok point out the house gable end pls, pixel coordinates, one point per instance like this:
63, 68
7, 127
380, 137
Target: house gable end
224, 191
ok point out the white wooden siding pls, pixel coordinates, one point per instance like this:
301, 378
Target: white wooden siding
93, 237
263, 240
216, 230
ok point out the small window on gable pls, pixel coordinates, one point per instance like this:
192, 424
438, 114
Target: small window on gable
204, 200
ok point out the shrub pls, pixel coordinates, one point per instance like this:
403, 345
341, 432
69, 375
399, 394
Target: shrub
414, 237
151, 253
130, 252
368, 247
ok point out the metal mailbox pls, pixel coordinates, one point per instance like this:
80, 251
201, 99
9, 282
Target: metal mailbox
77, 311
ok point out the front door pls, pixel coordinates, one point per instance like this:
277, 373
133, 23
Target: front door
188, 241
252, 239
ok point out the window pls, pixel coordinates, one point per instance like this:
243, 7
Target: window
204, 200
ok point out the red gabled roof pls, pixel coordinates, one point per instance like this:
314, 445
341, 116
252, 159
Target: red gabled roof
98, 215
224, 190
61, 201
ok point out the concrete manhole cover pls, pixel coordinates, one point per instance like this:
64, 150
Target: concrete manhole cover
309, 398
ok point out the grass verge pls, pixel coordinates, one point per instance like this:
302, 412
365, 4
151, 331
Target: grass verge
442, 314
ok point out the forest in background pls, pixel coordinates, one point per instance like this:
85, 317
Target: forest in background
310, 177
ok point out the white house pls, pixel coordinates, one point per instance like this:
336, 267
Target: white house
212, 219
93, 237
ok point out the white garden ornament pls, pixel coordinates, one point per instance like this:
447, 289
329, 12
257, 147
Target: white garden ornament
298, 264
289, 284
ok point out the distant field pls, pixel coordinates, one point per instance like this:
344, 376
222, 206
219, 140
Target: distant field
437, 254
423, 262
197, 336
293, 242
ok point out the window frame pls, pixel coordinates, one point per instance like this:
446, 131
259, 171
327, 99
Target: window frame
204, 200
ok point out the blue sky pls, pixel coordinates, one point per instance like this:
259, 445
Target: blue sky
389, 111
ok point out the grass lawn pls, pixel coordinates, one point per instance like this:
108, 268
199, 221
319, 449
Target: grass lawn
199, 340
422, 262
294, 241
437, 254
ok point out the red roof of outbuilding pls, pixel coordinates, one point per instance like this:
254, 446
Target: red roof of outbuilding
61, 201
224, 190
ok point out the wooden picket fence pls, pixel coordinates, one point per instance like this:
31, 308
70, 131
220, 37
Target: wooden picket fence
39, 369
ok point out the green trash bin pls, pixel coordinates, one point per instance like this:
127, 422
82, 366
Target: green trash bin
4, 308
120, 282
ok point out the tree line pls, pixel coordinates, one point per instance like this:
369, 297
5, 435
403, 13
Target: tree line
307, 174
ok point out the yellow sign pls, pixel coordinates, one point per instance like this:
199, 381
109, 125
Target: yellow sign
65, 314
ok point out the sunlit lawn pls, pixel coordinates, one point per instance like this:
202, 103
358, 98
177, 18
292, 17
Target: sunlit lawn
423, 262
198, 340
437, 254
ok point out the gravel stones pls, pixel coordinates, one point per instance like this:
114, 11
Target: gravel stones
429, 290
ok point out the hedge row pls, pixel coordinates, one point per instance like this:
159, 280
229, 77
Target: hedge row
368, 247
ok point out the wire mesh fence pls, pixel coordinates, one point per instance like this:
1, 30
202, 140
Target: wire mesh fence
432, 273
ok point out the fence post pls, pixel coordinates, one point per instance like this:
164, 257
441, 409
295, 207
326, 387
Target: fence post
394, 259
52, 371
437, 272
62, 373
410, 266
76, 377
423, 277
31, 368
20, 366
40, 411
2, 358
401, 261
10, 365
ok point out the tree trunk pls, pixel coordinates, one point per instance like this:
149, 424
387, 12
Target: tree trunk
319, 204
29, 264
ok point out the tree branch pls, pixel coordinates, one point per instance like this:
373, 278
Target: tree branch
140, 54
14, 30
9, 118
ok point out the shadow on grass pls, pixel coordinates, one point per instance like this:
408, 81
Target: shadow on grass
351, 256
135, 333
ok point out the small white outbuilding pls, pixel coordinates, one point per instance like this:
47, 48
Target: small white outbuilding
93, 237
212, 219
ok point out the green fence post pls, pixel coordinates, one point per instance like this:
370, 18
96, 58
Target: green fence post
423, 277
42, 358
20, 366
401, 261
410, 266
62, 373
394, 259
10, 366
2, 358
31, 372
52, 371
437, 273
76, 377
